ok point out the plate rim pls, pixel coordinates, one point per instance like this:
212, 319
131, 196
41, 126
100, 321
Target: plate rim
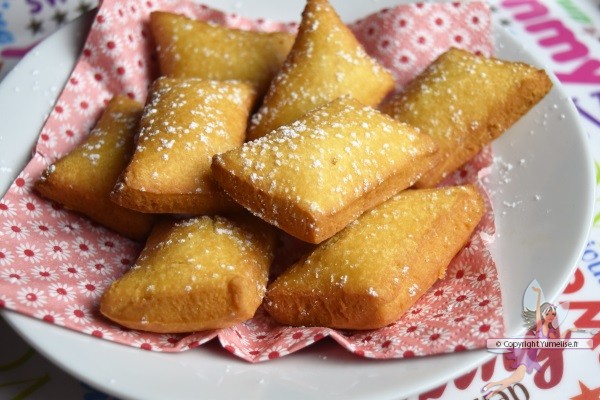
18, 325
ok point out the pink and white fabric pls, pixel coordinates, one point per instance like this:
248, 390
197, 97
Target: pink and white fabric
54, 264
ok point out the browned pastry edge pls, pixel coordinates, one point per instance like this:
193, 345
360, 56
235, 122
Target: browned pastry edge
112, 217
174, 203
212, 302
347, 309
520, 100
300, 223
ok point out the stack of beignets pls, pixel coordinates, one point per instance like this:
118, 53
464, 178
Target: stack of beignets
319, 161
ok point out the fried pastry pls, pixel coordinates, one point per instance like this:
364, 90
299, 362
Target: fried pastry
185, 122
188, 48
465, 101
83, 179
325, 63
194, 274
369, 274
314, 176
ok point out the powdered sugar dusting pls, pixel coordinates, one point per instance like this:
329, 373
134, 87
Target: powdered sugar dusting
253, 340
324, 161
186, 116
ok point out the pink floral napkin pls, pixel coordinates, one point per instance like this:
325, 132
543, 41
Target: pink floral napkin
54, 264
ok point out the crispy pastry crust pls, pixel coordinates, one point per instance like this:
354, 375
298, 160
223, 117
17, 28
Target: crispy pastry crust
326, 62
188, 48
82, 180
194, 274
464, 102
315, 176
369, 274
185, 122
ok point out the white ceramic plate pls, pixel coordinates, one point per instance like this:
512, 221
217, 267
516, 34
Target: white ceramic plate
543, 196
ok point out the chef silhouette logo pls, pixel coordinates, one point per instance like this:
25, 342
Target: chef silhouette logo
542, 320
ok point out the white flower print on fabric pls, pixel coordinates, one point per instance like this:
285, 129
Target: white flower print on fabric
84, 105
485, 329
125, 332
7, 209
6, 257
146, 344
108, 244
435, 335
6, 302
44, 273
22, 185
98, 332
55, 210
170, 340
70, 134
91, 288
31, 297
14, 276
70, 227
48, 139
29, 253
461, 344
413, 329
100, 267
274, 352
50, 316
58, 250
13, 229
84, 247
74, 84
31, 207
61, 292
72, 271
78, 314
62, 111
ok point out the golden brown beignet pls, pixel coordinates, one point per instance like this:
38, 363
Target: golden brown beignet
83, 179
185, 122
314, 176
369, 274
464, 102
325, 63
188, 48
194, 274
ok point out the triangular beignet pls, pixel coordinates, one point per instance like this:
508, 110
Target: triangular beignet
185, 122
83, 179
369, 274
465, 101
189, 48
194, 274
326, 62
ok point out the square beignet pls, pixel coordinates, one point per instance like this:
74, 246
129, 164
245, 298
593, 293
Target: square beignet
194, 274
189, 48
465, 101
185, 122
369, 274
326, 62
83, 179
314, 176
